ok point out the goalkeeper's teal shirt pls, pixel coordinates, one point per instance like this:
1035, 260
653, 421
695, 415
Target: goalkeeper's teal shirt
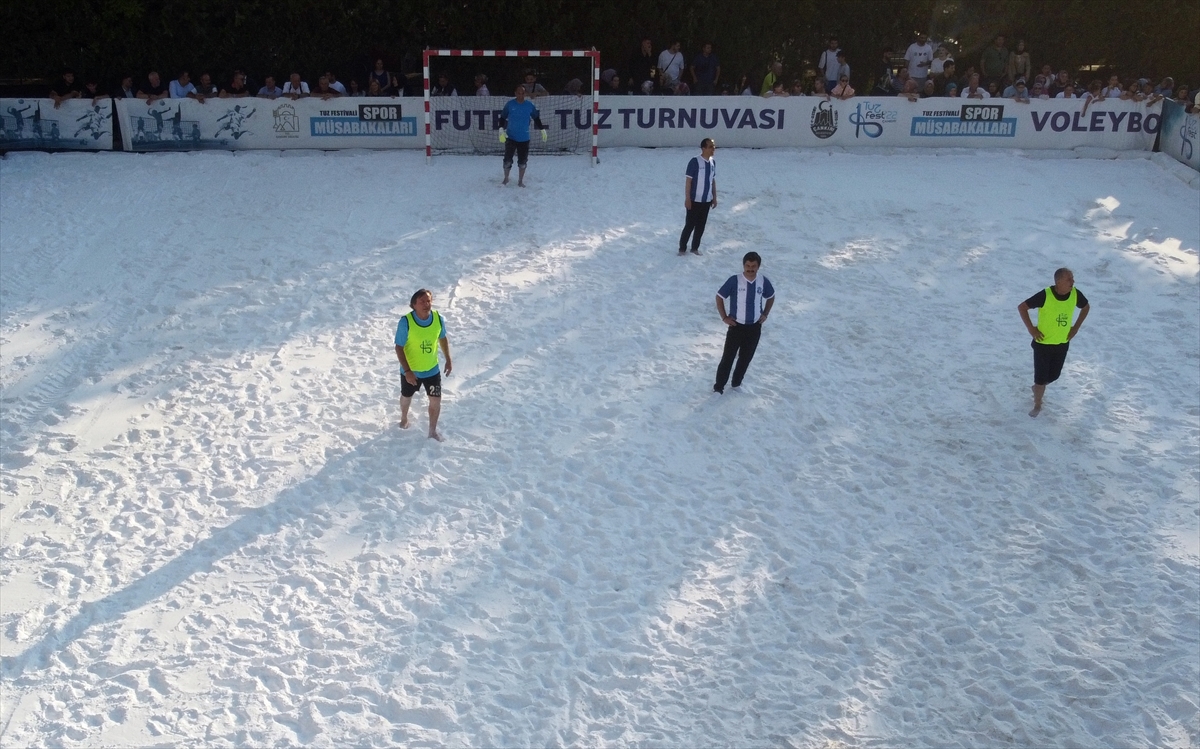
517, 115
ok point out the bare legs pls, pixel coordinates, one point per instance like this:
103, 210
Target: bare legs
1038, 392
520, 177
435, 410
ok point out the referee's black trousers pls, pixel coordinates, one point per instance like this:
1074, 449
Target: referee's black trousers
697, 217
740, 341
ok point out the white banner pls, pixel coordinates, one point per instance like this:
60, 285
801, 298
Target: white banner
74, 124
875, 121
648, 121
1180, 135
236, 124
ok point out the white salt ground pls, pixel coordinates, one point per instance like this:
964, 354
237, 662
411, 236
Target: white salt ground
214, 533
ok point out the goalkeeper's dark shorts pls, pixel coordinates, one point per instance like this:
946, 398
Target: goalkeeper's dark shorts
520, 148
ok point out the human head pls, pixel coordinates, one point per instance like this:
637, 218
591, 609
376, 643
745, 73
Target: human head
833, 42
999, 40
269, 81
777, 67
127, 82
379, 65
819, 85
421, 297
330, 76
480, 79
974, 80
1064, 279
929, 87
152, 76
942, 52
921, 37
1021, 45
952, 89
184, 77
646, 45
841, 55
373, 87
1063, 76
443, 78
707, 146
948, 68
1114, 80
323, 83
294, 78
751, 262
675, 46
68, 75
1020, 84
910, 86
205, 79
520, 92
707, 48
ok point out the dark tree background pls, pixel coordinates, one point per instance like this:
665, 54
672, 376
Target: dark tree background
105, 38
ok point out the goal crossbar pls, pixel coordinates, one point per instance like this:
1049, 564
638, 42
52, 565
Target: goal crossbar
595, 60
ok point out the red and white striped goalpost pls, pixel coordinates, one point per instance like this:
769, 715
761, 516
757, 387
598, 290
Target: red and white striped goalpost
593, 54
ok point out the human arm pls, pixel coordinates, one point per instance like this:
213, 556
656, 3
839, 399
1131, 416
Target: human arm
1083, 313
687, 192
409, 376
766, 310
725, 318
1023, 308
714, 186
445, 344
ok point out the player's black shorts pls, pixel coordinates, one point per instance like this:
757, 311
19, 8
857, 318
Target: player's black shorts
432, 385
520, 148
1048, 361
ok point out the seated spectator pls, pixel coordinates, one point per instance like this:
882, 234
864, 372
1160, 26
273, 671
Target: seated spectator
1067, 92
818, 88
949, 75
973, 91
1133, 92
900, 80
1047, 72
993, 89
153, 89
373, 88
1094, 92
1039, 91
574, 87
951, 90
1040, 81
1166, 88
1183, 98
773, 74
66, 88
796, 89
613, 85
929, 89
269, 90
481, 88
334, 83
206, 89
1018, 91
1113, 90
533, 89
743, 87
182, 88
938, 64
125, 90
705, 70
237, 88
1060, 83
295, 88
324, 90
911, 91
354, 89
91, 90
965, 79
843, 90
381, 76
443, 87
670, 67
776, 90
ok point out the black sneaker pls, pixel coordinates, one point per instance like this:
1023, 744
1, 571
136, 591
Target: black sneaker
682, 252
696, 251
720, 390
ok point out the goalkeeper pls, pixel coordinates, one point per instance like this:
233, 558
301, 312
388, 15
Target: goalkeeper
514, 132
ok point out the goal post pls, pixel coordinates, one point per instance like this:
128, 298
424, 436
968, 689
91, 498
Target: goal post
468, 123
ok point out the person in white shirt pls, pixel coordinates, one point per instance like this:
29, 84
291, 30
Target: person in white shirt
481, 88
296, 88
670, 66
334, 83
1068, 92
182, 88
920, 57
940, 58
1113, 90
828, 64
973, 91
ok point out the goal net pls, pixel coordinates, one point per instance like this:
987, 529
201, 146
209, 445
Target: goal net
564, 87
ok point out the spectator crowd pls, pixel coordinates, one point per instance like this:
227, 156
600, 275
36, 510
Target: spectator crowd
924, 70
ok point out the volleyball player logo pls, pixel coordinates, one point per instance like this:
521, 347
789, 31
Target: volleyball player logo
824, 120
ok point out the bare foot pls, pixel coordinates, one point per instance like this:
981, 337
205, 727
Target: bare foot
435, 436
1036, 410
505, 182
520, 184
404, 423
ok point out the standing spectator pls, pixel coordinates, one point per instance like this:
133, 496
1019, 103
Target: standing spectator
773, 74
884, 75
418, 336
827, 64
1053, 333
1018, 91
153, 89
938, 64
532, 88
973, 91
382, 77
182, 88
324, 90
481, 88
947, 77
699, 195
993, 64
443, 87
706, 71
295, 88
334, 83
1048, 72
126, 89
843, 90
746, 294
1114, 89
670, 67
269, 90
920, 58
1018, 63
237, 88
66, 88
642, 69
843, 66
206, 89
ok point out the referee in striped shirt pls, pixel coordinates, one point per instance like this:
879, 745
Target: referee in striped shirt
699, 195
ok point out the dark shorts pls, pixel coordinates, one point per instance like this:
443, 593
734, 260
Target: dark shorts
432, 385
1048, 361
520, 148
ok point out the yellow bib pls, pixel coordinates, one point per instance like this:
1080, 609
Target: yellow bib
1054, 318
420, 348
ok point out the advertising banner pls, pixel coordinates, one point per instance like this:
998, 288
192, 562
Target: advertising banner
247, 123
1180, 134
74, 124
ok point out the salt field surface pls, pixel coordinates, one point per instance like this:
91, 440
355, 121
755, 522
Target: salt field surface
214, 533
